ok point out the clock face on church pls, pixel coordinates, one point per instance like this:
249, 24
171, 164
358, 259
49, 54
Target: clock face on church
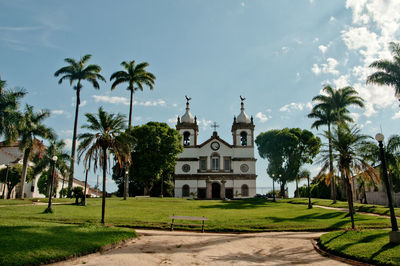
214, 145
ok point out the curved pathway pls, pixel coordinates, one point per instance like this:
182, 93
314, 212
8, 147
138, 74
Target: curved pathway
154, 247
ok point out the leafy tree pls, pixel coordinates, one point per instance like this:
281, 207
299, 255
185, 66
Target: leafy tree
78, 71
388, 71
63, 192
31, 127
331, 108
105, 135
347, 145
77, 193
9, 114
286, 151
392, 155
14, 176
154, 153
43, 183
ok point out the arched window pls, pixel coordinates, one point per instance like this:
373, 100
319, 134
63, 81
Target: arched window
243, 138
215, 162
186, 138
185, 191
245, 190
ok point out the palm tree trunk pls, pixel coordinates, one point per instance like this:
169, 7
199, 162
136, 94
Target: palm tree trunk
130, 109
350, 200
333, 182
283, 190
126, 184
103, 203
72, 167
24, 171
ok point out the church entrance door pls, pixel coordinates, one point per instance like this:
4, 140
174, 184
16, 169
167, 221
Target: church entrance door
216, 190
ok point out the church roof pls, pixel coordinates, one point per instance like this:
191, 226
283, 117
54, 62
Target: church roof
215, 137
243, 117
187, 117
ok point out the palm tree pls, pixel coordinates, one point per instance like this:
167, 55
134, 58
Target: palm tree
78, 71
133, 75
347, 144
104, 137
9, 115
330, 109
29, 129
303, 174
43, 161
388, 71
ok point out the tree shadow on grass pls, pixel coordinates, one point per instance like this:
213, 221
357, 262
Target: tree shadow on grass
240, 204
40, 244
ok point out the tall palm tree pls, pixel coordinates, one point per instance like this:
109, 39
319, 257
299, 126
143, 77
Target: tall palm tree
303, 174
133, 75
104, 136
388, 71
78, 71
29, 129
43, 161
347, 144
330, 109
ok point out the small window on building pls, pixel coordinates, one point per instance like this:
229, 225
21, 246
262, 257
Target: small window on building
203, 164
243, 138
186, 139
227, 164
215, 163
185, 191
245, 190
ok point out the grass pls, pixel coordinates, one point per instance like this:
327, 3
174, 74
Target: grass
371, 246
31, 201
369, 208
233, 216
30, 242
29, 236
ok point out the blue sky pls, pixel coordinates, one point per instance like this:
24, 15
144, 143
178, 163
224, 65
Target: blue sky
278, 54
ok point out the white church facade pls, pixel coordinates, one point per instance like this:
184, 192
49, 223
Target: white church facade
216, 169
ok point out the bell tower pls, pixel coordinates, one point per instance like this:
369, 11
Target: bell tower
243, 128
188, 128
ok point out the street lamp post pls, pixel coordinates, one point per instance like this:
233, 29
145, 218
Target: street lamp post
273, 188
126, 184
394, 237
84, 191
309, 192
5, 183
49, 210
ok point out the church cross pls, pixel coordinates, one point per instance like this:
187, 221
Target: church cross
215, 125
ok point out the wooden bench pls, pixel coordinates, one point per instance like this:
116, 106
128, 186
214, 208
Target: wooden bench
193, 218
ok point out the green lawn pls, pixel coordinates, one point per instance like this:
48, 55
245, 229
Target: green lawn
377, 209
237, 215
32, 237
367, 245
31, 242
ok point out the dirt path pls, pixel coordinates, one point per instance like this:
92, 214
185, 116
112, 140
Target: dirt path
347, 210
189, 248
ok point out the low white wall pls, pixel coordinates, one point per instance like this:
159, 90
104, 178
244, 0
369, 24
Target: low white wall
380, 198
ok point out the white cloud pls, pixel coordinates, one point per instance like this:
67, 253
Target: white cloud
342, 81
125, 101
295, 107
355, 116
111, 99
323, 48
285, 49
368, 122
332, 18
83, 103
298, 76
204, 123
242, 4
67, 132
262, 117
328, 68
316, 39
396, 115
58, 112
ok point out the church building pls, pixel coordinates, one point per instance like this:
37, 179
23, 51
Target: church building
216, 169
